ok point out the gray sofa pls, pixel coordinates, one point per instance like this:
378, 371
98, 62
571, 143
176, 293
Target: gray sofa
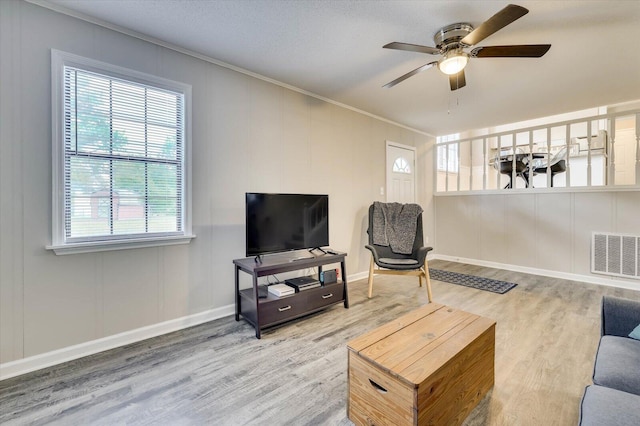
614, 396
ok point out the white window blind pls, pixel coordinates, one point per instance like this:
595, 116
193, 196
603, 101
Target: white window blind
123, 165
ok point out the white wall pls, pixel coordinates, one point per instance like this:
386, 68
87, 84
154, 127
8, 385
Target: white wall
248, 135
540, 231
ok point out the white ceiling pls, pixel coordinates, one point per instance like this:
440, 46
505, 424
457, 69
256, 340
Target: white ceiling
333, 48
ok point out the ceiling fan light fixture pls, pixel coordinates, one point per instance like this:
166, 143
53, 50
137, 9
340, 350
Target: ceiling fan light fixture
453, 62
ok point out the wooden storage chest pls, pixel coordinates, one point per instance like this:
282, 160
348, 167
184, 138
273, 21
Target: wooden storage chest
429, 367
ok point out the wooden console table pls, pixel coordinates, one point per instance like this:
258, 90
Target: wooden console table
272, 310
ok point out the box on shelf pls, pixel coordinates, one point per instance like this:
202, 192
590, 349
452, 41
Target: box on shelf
281, 290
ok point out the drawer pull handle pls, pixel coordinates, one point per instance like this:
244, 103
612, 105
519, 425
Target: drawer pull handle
326, 296
284, 308
377, 386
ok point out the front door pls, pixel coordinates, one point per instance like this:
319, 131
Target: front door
401, 173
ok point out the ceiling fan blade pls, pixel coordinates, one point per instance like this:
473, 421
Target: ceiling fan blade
457, 81
412, 48
514, 51
409, 74
495, 23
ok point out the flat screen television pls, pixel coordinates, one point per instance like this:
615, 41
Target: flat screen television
283, 222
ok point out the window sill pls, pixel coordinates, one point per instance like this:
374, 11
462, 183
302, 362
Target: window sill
553, 190
90, 247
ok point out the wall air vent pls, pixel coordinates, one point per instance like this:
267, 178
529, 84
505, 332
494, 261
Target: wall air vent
615, 254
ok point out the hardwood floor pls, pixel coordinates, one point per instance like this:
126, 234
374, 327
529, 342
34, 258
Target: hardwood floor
219, 373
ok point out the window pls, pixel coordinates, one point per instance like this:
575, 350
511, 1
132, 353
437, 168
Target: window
448, 154
119, 147
401, 165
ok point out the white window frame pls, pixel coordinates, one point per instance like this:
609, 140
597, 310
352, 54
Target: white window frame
59, 244
448, 161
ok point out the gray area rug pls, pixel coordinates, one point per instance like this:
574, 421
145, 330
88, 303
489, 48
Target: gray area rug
480, 283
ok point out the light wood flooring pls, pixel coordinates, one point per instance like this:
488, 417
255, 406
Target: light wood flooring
219, 374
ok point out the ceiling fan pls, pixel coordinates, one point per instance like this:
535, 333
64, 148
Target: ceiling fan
453, 39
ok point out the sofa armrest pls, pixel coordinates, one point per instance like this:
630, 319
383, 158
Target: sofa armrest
619, 316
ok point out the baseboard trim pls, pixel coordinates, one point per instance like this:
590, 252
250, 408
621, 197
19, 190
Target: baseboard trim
358, 276
70, 353
544, 272
48, 359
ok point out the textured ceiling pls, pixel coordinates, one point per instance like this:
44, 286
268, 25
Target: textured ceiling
334, 49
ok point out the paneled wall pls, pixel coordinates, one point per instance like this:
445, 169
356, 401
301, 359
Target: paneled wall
248, 135
544, 231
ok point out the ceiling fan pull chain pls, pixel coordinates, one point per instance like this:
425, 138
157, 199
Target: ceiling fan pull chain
457, 104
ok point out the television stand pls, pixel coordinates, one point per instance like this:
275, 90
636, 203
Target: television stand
267, 312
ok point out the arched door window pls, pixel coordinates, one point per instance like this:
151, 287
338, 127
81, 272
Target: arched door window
401, 165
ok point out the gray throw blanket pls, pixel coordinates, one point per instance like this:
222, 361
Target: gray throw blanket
394, 225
